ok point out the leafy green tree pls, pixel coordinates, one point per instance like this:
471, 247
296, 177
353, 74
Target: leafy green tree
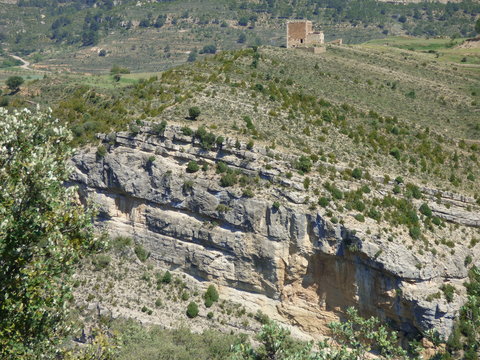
194, 112
14, 82
211, 295
465, 336
209, 49
192, 56
353, 340
192, 310
44, 231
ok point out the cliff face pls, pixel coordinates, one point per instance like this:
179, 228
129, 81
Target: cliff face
312, 268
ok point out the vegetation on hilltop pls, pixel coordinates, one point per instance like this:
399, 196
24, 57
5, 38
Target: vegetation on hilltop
157, 35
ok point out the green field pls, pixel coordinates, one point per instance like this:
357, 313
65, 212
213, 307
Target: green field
443, 49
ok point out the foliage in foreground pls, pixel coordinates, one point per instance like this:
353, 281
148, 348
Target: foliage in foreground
137, 342
43, 232
355, 337
465, 336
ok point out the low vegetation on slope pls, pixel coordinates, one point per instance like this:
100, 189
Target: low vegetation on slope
362, 118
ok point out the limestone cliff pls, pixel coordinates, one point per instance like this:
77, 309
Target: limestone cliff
311, 267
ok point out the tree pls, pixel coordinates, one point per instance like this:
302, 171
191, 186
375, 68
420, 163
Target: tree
194, 112
243, 21
242, 38
192, 56
14, 83
354, 339
192, 310
209, 49
477, 26
43, 231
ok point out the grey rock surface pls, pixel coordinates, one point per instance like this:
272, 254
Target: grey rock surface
297, 256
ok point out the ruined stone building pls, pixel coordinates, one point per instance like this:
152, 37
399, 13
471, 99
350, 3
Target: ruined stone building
300, 34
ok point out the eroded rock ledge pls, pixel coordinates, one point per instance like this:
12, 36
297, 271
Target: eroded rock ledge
312, 268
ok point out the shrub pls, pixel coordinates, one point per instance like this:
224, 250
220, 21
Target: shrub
249, 123
304, 164
468, 260
220, 141
207, 139
211, 293
167, 277
208, 302
101, 152
222, 167
101, 261
248, 193
192, 310
323, 201
210, 315
4, 101
158, 302
120, 243
250, 145
159, 128
243, 21
185, 296
359, 217
415, 232
374, 214
448, 292
150, 160
425, 210
276, 205
357, 173
337, 193
119, 70
192, 166
262, 318
228, 180
209, 49
413, 191
194, 112
306, 183
141, 253
134, 129
187, 131
222, 208
395, 152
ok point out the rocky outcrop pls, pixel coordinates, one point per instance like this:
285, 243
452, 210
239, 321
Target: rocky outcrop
312, 268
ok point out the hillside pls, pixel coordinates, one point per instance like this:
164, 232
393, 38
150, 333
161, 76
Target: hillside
301, 185
153, 36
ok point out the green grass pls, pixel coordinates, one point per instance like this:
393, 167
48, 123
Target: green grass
442, 49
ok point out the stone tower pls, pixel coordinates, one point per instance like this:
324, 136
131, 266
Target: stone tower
301, 34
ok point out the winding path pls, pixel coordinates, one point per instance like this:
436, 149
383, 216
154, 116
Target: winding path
25, 64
